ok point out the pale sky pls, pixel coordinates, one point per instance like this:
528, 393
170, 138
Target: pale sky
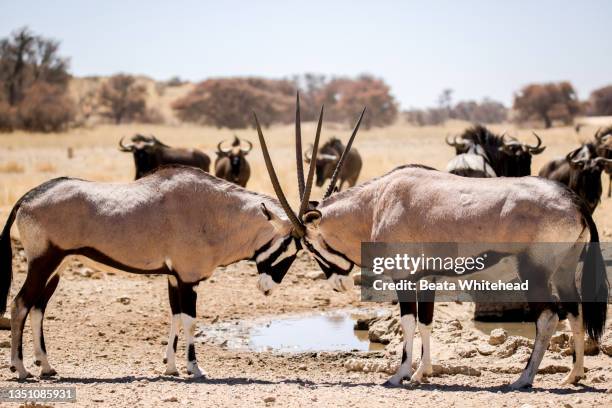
477, 48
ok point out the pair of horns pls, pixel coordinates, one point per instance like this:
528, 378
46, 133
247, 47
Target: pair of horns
148, 140
236, 142
532, 149
304, 187
599, 161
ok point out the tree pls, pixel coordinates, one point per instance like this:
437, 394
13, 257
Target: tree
547, 102
123, 99
229, 102
28, 64
344, 98
600, 101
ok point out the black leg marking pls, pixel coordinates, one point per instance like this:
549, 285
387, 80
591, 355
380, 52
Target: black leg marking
191, 355
174, 343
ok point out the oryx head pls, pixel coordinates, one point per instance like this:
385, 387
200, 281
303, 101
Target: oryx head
305, 224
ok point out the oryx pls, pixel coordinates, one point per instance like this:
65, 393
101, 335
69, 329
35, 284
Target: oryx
178, 221
416, 204
149, 153
231, 163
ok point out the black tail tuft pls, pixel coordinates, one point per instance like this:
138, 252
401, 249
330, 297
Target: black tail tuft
594, 285
6, 260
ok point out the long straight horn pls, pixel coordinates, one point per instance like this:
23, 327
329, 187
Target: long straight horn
298, 147
311, 169
298, 227
334, 178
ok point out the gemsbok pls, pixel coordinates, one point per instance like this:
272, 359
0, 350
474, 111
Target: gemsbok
178, 221
417, 204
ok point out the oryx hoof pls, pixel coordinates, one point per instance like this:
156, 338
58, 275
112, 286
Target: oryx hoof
24, 375
571, 379
196, 373
48, 373
171, 371
393, 383
520, 385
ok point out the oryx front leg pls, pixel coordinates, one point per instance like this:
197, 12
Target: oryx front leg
175, 322
545, 327
577, 372
425, 313
408, 323
188, 313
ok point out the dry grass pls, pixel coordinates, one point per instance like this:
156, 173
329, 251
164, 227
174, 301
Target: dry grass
39, 157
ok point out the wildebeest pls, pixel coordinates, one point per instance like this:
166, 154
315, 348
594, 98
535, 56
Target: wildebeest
415, 204
603, 142
178, 221
581, 171
490, 155
328, 158
231, 163
149, 154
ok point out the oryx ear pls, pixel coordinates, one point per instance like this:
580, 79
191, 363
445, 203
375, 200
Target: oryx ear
312, 218
276, 222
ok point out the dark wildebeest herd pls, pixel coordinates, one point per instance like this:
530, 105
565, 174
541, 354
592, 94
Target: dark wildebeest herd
183, 222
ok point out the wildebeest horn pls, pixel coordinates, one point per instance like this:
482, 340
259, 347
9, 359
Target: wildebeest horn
535, 149
297, 225
570, 159
219, 149
298, 146
313, 163
125, 148
308, 154
245, 151
603, 161
336, 173
452, 142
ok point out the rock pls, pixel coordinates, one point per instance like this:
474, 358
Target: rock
370, 366
84, 272
363, 323
560, 339
553, 369
269, 398
497, 336
601, 378
486, 349
170, 399
315, 275
454, 325
591, 348
356, 278
510, 346
443, 369
466, 351
124, 300
383, 330
5, 323
5, 344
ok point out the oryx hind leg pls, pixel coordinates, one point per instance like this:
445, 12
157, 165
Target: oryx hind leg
574, 317
189, 298
408, 311
32, 295
37, 314
175, 322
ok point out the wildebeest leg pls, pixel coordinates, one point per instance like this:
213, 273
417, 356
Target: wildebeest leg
188, 312
32, 291
425, 313
36, 322
408, 311
546, 324
575, 320
175, 321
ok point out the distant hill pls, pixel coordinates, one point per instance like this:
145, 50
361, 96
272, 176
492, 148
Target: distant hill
160, 95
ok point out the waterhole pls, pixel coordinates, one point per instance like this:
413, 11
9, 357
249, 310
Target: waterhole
328, 331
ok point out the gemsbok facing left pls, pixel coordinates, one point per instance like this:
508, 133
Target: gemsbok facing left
417, 204
178, 221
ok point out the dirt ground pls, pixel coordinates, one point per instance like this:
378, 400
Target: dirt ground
106, 333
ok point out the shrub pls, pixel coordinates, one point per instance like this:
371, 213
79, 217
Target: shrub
45, 108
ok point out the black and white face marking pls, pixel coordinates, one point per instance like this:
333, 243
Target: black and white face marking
334, 264
273, 261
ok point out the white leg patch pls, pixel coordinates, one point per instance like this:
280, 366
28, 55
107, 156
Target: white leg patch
425, 367
189, 328
175, 322
578, 333
341, 283
405, 369
266, 284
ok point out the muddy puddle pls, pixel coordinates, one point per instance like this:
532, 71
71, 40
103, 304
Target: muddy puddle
328, 331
